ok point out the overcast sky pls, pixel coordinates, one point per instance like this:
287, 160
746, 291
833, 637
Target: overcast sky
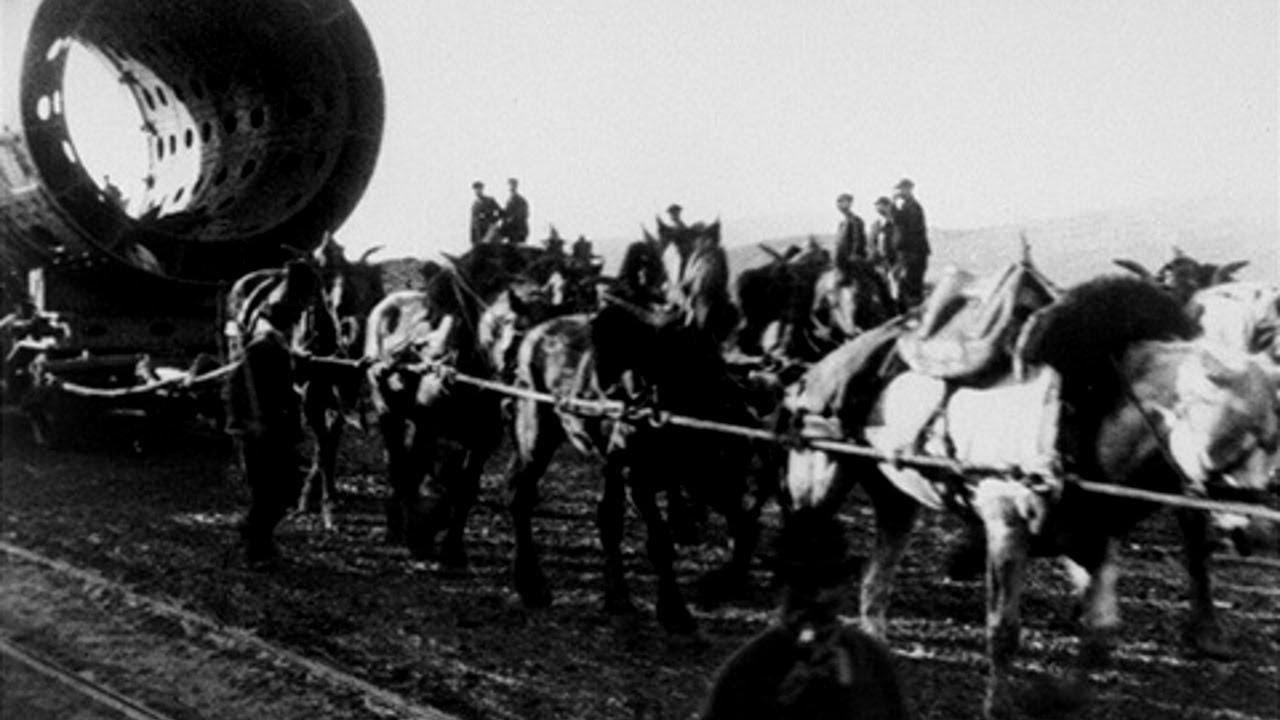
762, 112
999, 110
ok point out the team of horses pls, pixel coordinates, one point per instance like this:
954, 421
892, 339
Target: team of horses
1125, 380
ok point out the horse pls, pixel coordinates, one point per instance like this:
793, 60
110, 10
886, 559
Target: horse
1183, 275
798, 308
780, 291
325, 403
431, 428
638, 353
1107, 386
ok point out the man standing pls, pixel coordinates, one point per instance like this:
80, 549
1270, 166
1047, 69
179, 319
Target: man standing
851, 239
485, 212
515, 216
882, 241
673, 211
264, 409
912, 247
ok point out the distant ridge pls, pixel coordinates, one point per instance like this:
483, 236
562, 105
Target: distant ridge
1073, 249
1068, 250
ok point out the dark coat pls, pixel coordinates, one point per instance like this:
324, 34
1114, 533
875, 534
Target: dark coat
913, 235
515, 218
262, 401
851, 242
485, 211
763, 681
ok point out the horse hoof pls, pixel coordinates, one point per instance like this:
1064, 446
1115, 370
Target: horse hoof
615, 604
535, 598
677, 621
1052, 697
1208, 643
719, 586
455, 560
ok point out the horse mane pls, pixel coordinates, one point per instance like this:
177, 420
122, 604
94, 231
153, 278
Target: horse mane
1085, 333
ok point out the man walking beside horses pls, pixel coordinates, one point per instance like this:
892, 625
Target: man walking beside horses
264, 410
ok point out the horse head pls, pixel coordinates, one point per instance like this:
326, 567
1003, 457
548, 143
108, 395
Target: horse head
1223, 423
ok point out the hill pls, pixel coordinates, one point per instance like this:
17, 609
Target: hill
1076, 248
1068, 250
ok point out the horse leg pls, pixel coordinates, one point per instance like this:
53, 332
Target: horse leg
537, 435
732, 578
424, 512
673, 614
1007, 540
895, 516
1203, 633
465, 490
322, 481
395, 435
1095, 582
610, 520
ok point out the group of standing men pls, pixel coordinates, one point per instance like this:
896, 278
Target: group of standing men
897, 244
487, 217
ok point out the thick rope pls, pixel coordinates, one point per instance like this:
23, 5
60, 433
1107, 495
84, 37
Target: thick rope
657, 418
184, 382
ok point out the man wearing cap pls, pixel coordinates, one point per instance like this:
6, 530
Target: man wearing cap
851, 239
485, 212
264, 410
515, 216
912, 246
881, 240
673, 211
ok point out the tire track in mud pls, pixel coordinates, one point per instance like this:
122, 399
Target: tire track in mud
186, 638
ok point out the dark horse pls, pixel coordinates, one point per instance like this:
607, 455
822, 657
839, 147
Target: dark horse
664, 359
797, 309
1108, 380
433, 429
326, 403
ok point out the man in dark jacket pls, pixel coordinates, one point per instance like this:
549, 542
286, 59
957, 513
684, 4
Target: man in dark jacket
882, 239
851, 239
912, 248
264, 410
485, 212
515, 216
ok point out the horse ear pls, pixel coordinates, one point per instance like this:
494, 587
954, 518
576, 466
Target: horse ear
648, 236
1227, 272
1135, 268
777, 256
364, 257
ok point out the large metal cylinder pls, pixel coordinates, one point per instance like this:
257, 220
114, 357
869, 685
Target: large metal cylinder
276, 104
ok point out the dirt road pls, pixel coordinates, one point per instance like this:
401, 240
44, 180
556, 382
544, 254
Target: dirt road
160, 521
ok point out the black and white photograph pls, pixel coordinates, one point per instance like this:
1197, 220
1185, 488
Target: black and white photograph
666, 360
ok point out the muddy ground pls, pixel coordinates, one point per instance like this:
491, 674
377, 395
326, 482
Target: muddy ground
157, 511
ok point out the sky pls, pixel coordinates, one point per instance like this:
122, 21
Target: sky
762, 112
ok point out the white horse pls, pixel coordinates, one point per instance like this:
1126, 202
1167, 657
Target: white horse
1102, 395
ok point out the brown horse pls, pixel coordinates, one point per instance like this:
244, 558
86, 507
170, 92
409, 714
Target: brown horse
664, 358
1109, 355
